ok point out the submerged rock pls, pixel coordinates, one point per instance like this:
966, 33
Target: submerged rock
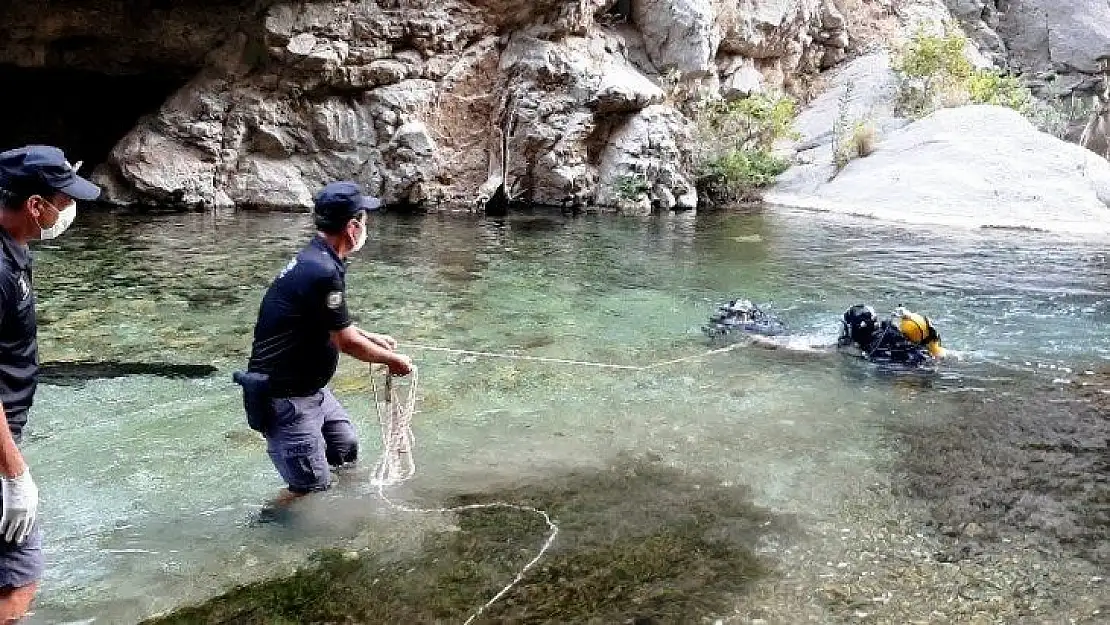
637, 543
1026, 470
77, 372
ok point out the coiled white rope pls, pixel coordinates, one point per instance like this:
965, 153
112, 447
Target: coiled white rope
398, 464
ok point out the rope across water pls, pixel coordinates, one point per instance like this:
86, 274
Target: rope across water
581, 363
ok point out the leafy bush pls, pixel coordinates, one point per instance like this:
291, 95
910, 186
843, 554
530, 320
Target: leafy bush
934, 73
734, 156
632, 187
932, 58
988, 87
753, 122
739, 174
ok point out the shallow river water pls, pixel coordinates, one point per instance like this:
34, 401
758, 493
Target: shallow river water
149, 484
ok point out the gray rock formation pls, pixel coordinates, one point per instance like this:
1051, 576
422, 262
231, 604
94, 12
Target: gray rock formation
966, 166
969, 167
1057, 42
559, 102
648, 148
864, 90
679, 34
1096, 133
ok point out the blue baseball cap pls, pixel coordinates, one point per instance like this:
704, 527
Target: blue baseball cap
339, 201
43, 169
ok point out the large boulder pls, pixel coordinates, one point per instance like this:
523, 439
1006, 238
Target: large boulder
643, 166
1067, 35
679, 34
976, 166
863, 91
567, 104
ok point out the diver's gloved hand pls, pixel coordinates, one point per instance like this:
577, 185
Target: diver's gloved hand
21, 506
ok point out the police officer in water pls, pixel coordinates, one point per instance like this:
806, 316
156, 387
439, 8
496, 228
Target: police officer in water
39, 190
302, 326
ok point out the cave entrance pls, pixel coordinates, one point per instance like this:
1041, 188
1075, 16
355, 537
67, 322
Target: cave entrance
83, 112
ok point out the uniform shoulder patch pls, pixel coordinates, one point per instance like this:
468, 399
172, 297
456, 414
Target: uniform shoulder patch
334, 299
289, 267
24, 289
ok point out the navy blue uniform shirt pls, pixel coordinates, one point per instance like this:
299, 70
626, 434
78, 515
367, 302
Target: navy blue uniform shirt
305, 303
19, 351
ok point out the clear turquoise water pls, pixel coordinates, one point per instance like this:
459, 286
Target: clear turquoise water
148, 483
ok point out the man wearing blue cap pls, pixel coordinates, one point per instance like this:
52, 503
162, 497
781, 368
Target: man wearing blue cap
302, 326
39, 190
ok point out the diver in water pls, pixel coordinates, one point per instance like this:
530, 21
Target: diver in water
908, 339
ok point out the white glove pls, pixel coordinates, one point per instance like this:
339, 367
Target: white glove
21, 505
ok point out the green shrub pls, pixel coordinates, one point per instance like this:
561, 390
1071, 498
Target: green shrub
752, 167
932, 57
988, 87
754, 122
933, 73
631, 188
734, 156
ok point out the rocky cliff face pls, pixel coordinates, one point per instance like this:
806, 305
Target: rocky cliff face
1056, 43
426, 103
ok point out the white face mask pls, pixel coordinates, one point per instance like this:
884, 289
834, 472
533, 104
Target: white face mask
361, 237
65, 219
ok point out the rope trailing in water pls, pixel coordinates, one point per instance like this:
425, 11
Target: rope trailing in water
582, 363
398, 464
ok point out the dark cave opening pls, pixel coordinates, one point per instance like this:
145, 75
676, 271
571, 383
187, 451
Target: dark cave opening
83, 112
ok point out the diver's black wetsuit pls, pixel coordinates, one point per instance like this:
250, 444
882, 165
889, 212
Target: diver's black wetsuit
887, 345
